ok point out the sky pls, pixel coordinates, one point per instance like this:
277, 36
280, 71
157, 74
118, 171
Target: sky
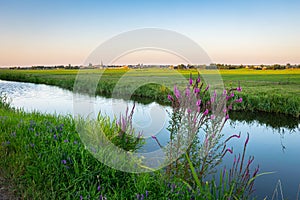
230, 31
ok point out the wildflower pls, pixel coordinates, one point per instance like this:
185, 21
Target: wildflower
205, 112
187, 92
64, 162
240, 100
81, 197
212, 117
31, 144
66, 141
54, 136
138, 196
170, 97
227, 117
191, 81
207, 87
198, 102
147, 193
225, 110
198, 79
239, 89
98, 188
196, 90
176, 91
225, 92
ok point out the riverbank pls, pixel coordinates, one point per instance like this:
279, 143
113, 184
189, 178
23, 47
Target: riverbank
42, 157
273, 91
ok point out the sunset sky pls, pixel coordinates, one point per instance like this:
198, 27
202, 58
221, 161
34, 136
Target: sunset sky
230, 31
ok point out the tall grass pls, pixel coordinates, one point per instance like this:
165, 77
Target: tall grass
44, 158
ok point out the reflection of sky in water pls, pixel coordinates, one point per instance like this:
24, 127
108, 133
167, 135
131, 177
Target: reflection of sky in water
274, 150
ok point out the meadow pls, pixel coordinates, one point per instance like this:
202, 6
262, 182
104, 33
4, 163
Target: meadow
275, 91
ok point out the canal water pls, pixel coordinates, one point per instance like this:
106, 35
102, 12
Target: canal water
274, 139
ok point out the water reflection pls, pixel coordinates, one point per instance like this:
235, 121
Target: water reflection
278, 122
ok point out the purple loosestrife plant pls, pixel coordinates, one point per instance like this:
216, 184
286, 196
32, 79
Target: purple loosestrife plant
195, 131
126, 137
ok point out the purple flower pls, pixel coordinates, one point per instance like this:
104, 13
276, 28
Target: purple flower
227, 117
138, 196
154, 137
147, 193
176, 91
170, 97
98, 188
205, 112
187, 92
191, 81
225, 110
198, 103
64, 162
196, 90
240, 100
207, 87
239, 89
225, 92
81, 197
212, 117
66, 141
54, 136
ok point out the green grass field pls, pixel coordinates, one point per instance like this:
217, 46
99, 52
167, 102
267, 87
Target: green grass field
263, 90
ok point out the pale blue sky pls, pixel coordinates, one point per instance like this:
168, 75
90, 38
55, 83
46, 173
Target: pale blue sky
230, 31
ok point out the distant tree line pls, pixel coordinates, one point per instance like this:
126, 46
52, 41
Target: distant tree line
47, 67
